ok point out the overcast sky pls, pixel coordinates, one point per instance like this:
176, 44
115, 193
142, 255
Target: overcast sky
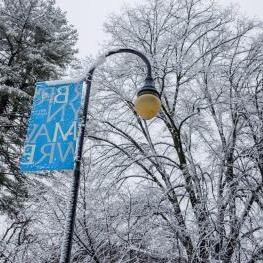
88, 17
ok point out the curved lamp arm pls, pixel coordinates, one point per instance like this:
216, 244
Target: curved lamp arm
148, 103
102, 59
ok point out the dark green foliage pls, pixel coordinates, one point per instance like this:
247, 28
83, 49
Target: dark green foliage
36, 43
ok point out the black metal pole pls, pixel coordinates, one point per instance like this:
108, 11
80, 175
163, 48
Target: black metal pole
69, 226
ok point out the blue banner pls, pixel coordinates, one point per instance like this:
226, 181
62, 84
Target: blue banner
53, 127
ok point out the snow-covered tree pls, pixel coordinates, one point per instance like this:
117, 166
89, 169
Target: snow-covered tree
36, 43
203, 154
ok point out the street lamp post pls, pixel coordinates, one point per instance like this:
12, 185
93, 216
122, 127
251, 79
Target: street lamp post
147, 105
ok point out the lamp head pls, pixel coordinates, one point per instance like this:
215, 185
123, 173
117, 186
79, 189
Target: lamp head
147, 104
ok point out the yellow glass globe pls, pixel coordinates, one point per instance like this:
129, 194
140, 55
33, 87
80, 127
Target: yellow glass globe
147, 106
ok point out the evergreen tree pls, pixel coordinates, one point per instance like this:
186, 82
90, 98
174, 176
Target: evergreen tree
36, 43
